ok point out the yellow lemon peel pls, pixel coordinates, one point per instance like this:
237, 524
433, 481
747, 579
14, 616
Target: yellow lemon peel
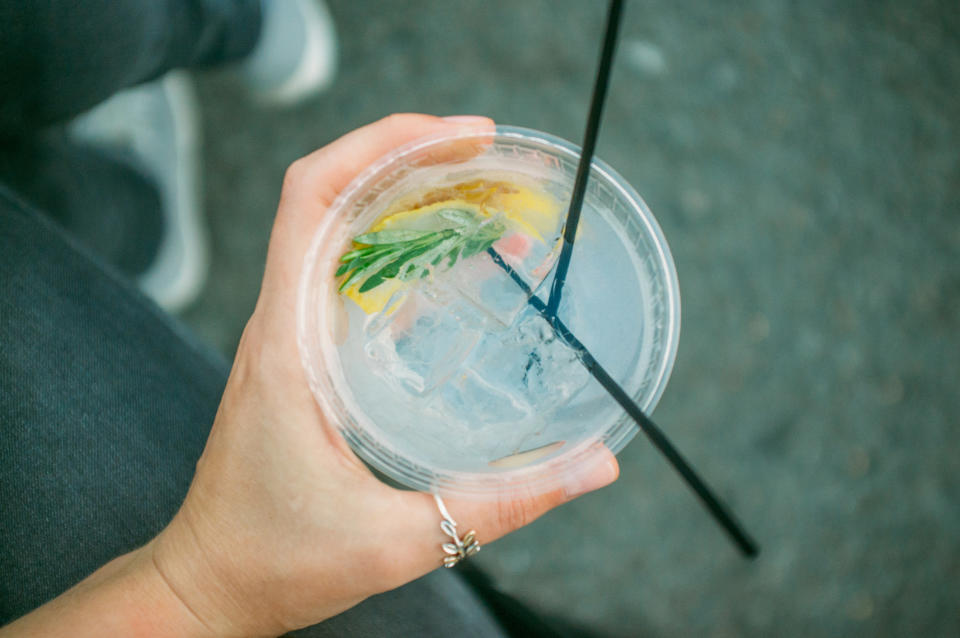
533, 213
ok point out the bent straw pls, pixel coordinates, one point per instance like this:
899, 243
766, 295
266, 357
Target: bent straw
716, 507
586, 155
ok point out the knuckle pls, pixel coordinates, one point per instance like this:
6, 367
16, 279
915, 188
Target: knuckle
394, 119
513, 514
400, 121
294, 175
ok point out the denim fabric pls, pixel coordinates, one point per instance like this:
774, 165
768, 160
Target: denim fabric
105, 405
106, 401
58, 58
98, 195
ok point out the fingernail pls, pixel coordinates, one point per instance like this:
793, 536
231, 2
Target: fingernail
593, 478
466, 119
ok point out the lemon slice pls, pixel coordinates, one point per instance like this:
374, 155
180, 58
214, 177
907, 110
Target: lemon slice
423, 218
526, 211
531, 210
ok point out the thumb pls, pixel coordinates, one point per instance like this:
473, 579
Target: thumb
489, 519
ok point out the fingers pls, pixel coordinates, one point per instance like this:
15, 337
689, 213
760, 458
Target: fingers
490, 519
496, 519
313, 182
328, 170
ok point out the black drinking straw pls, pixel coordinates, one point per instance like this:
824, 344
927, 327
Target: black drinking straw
586, 155
549, 310
654, 433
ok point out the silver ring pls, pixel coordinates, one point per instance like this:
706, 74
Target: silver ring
460, 548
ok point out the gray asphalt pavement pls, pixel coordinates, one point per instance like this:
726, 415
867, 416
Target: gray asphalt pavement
802, 159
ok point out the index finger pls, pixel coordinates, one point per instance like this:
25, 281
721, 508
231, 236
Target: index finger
313, 182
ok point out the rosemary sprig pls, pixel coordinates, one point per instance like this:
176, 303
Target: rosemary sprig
411, 254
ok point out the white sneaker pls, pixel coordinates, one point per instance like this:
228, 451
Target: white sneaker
296, 55
158, 124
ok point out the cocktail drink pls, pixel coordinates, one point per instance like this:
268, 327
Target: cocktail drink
427, 355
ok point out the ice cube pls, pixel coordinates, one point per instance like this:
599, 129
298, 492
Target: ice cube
523, 374
477, 404
421, 343
551, 371
486, 286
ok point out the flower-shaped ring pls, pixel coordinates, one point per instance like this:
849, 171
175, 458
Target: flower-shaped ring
460, 548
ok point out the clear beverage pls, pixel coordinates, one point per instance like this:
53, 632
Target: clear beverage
452, 382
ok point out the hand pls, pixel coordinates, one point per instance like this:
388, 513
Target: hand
283, 526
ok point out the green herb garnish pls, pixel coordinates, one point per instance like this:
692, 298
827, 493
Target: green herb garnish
412, 254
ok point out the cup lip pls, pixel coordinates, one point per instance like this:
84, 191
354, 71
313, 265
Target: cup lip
536, 478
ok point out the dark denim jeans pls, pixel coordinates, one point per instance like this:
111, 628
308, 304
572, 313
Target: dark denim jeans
105, 405
105, 401
58, 58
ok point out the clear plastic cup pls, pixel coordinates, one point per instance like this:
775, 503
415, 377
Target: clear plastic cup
621, 300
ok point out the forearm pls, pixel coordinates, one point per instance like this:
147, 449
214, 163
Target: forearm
125, 597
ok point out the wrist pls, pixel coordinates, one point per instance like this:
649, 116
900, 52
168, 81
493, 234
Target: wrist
202, 577
165, 606
126, 597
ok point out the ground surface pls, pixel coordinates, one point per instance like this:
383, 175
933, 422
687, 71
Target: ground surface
802, 159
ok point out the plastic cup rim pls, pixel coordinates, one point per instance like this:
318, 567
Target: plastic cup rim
535, 478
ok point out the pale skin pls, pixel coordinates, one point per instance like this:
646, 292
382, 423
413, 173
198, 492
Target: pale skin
283, 527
